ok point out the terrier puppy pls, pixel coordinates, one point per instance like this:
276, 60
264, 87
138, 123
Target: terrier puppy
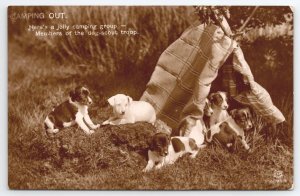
233, 129
193, 128
125, 110
243, 118
224, 134
165, 151
72, 111
219, 106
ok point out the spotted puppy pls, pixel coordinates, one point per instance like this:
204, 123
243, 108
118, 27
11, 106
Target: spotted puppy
195, 128
164, 150
192, 128
72, 111
219, 105
125, 110
231, 131
224, 134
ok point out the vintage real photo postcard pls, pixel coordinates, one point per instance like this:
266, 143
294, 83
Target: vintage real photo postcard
150, 97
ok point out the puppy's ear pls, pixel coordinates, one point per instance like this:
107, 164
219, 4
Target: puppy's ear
111, 101
72, 95
85, 91
150, 143
129, 100
233, 113
249, 110
169, 139
211, 96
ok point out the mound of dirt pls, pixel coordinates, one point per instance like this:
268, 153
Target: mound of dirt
110, 146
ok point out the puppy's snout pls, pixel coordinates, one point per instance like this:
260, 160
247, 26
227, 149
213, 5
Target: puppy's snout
225, 107
90, 101
122, 112
165, 153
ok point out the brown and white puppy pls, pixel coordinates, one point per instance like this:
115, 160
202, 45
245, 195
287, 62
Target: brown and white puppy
193, 128
219, 106
70, 112
227, 132
225, 135
243, 118
164, 150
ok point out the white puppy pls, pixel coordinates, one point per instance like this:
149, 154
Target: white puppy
128, 111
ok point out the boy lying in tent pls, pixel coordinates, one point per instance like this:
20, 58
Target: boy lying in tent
186, 69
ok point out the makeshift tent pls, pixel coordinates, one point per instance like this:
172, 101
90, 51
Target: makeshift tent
186, 69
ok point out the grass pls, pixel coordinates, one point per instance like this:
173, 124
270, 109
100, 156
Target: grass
113, 157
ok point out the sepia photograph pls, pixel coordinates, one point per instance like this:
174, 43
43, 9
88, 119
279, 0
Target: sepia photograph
150, 97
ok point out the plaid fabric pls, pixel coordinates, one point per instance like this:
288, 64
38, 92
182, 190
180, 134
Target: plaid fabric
229, 83
182, 78
184, 72
260, 101
254, 95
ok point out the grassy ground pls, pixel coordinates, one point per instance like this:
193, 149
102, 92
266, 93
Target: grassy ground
113, 157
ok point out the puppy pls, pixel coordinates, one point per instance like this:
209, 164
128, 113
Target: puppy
224, 134
219, 106
207, 113
72, 111
233, 128
193, 128
165, 151
126, 110
243, 118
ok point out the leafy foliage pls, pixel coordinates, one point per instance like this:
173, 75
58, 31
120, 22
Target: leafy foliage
237, 15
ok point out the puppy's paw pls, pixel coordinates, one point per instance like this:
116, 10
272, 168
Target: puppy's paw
95, 126
52, 131
250, 151
201, 146
107, 122
90, 132
146, 169
193, 155
247, 147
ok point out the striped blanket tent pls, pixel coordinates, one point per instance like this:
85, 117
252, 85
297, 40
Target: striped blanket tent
186, 69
